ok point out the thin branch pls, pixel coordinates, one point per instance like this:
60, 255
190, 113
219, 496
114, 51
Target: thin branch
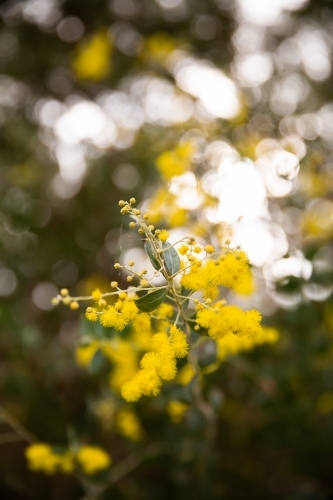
17, 427
9, 437
137, 458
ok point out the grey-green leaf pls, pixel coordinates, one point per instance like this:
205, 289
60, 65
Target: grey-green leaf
151, 301
171, 258
151, 254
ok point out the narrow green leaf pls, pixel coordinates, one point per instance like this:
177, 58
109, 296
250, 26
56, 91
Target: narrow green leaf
152, 255
171, 258
151, 301
97, 363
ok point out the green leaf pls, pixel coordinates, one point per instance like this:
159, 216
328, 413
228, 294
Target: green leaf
151, 301
97, 363
150, 251
171, 258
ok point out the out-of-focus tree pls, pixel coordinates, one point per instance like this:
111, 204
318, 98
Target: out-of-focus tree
98, 101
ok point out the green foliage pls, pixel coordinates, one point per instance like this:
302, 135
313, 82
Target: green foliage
60, 227
151, 301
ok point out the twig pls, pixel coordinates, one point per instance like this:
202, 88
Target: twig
17, 427
135, 460
9, 437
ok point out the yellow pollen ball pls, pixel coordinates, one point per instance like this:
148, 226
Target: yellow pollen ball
209, 249
163, 235
96, 294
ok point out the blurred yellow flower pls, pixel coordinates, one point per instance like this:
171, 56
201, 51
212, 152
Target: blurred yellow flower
93, 59
93, 459
41, 457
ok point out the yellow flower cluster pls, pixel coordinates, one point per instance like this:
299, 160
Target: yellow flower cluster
176, 161
129, 425
163, 207
157, 365
123, 420
221, 320
119, 315
229, 270
42, 457
122, 354
177, 410
197, 268
93, 59
233, 344
93, 459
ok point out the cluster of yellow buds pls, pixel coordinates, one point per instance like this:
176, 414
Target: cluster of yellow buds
65, 299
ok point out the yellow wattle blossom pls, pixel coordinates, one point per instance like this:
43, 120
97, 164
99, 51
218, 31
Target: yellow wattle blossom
183, 249
177, 217
142, 323
209, 249
113, 318
157, 365
245, 286
105, 410
233, 344
96, 294
230, 319
177, 410
163, 207
93, 58
124, 358
91, 314
176, 161
165, 310
120, 315
185, 375
122, 354
178, 342
230, 270
41, 457
85, 353
141, 338
201, 269
128, 425
93, 459
163, 235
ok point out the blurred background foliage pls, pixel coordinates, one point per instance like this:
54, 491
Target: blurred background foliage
91, 94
